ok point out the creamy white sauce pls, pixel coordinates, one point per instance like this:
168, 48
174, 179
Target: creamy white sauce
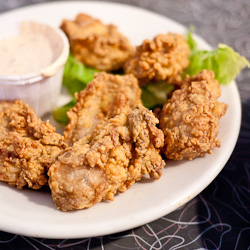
28, 52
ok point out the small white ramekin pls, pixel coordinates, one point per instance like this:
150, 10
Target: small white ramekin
40, 90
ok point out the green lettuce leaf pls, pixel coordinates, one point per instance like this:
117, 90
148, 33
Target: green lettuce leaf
190, 40
156, 94
60, 114
76, 75
224, 61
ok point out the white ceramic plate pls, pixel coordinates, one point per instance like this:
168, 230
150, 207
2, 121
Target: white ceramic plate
33, 213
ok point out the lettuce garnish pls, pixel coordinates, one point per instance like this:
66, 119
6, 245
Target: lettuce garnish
224, 61
76, 75
60, 114
156, 94
190, 40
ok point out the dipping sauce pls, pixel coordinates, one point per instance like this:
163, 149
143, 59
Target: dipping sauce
28, 52
32, 58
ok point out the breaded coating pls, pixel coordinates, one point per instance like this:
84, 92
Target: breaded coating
97, 45
204, 75
119, 152
162, 59
106, 96
28, 146
190, 119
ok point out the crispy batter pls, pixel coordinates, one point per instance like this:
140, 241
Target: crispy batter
27, 146
164, 58
190, 120
119, 152
95, 44
204, 75
104, 97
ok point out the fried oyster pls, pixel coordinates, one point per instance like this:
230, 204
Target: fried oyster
190, 119
120, 151
162, 59
95, 44
106, 96
28, 146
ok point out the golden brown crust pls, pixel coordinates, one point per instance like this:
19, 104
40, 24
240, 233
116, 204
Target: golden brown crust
190, 119
120, 151
95, 44
163, 58
208, 77
107, 95
27, 146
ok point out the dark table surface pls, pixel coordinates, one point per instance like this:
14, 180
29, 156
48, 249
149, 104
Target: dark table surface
222, 211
